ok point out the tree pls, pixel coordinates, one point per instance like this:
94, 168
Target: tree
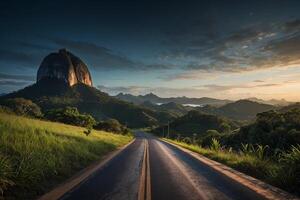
225, 127
70, 115
112, 125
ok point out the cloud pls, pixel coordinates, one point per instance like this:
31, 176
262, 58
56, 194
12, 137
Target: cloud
13, 83
15, 80
103, 58
255, 47
17, 77
15, 56
215, 87
293, 25
258, 81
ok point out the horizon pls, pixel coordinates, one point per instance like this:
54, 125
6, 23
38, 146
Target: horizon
170, 49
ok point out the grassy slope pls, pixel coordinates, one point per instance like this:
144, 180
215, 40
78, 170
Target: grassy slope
36, 155
265, 169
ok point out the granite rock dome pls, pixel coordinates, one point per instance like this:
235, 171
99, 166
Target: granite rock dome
64, 66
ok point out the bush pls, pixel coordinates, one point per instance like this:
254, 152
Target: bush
70, 115
215, 145
21, 106
290, 171
112, 125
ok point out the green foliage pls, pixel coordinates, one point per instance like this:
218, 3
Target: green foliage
238, 110
225, 127
209, 135
215, 145
22, 106
53, 94
112, 125
275, 129
70, 115
5, 174
36, 155
290, 172
195, 122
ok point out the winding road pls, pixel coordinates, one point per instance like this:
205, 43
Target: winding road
171, 174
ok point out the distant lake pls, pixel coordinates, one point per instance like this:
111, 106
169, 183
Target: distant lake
193, 105
186, 104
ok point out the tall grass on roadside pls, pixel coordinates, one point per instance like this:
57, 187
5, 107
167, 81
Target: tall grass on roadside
36, 155
283, 172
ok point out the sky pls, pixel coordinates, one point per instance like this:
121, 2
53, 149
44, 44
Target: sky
227, 49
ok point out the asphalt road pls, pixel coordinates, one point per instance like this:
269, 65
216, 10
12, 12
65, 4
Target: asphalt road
175, 175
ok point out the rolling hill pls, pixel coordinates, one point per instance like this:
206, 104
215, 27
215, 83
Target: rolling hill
194, 122
179, 100
53, 93
238, 110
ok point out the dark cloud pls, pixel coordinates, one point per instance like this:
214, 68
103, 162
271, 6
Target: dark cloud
34, 46
252, 48
17, 77
13, 83
293, 25
99, 56
286, 49
103, 58
17, 57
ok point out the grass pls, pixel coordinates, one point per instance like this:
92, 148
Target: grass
36, 155
283, 172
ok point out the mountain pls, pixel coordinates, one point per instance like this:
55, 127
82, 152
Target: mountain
275, 102
194, 122
290, 107
59, 86
64, 66
238, 110
174, 109
179, 100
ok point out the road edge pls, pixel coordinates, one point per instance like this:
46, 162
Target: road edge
264, 189
82, 175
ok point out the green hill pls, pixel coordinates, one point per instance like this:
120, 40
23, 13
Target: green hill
238, 110
37, 155
172, 108
52, 93
195, 122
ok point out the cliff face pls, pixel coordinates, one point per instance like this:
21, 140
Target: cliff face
64, 66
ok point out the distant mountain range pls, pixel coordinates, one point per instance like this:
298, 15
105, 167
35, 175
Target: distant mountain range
179, 100
279, 102
51, 93
238, 110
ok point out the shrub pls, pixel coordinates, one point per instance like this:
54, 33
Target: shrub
290, 172
22, 106
215, 145
70, 115
112, 125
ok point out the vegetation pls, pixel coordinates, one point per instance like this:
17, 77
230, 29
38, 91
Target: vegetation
36, 155
70, 115
282, 171
277, 130
112, 125
238, 110
196, 123
53, 94
21, 106
268, 148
